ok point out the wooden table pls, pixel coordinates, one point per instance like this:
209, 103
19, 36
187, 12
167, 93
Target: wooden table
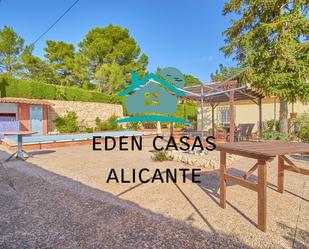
263, 152
20, 134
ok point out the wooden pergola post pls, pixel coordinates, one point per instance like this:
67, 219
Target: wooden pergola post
232, 114
260, 116
202, 112
213, 119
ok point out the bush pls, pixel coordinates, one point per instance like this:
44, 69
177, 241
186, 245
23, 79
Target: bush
273, 135
187, 111
302, 127
271, 123
37, 90
149, 125
164, 125
107, 125
161, 156
89, 130
67, 123
180, 125
133, 126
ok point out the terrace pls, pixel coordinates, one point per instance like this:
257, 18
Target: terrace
229, 91
66, 187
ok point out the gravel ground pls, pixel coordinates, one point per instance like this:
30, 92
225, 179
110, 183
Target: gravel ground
38, 214
60, 199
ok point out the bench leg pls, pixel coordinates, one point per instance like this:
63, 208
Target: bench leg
262, 200
280, 174
222, 179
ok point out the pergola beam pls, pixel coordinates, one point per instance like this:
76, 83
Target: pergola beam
232, 77
225, 91
252, 98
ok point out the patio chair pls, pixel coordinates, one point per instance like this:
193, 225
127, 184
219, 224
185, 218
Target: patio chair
249, 131
227, 133
245, 131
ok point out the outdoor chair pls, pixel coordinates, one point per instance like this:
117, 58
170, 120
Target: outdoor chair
245, 131
249, 131
227, 133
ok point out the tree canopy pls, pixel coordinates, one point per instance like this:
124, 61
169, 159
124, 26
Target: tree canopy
103, 60
61, 56
224, 73
271, 37
110, 55
11, 45
190, 80
33, 68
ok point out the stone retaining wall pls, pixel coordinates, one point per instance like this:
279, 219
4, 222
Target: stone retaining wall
198, 160
86, 111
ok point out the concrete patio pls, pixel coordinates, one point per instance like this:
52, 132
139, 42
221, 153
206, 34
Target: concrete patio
60, 198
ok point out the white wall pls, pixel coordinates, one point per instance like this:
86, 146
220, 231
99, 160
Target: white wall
248, 112
8, 108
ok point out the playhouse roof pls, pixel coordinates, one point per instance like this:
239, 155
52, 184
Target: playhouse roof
25, 101
139, 82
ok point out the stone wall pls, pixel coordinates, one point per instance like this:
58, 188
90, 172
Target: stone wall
86, 111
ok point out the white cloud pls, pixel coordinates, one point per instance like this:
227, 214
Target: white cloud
209, 58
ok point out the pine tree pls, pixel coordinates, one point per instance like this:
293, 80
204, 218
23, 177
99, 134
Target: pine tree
271, 37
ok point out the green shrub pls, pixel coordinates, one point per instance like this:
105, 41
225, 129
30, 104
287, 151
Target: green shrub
273, 123
187, 111
302, 127
37, 90
67, 123
150, 125
133, 126
273, 135
180, 125
107, 125
60, 94
164, 125
161, 156
89, 129
42, 91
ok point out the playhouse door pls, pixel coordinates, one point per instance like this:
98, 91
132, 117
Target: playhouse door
36, 119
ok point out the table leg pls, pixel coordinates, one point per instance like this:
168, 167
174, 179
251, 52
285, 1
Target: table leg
222, 179
262, 200
280, 174
9, 158
20, 147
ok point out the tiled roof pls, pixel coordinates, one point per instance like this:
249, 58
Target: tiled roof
25, 101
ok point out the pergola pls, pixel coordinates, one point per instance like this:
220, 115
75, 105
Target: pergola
228, 91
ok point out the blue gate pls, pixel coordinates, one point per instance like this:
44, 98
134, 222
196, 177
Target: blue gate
36, 119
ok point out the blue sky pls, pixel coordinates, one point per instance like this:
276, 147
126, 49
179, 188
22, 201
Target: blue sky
183, 34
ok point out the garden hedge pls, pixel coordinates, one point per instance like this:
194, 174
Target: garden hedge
10, 87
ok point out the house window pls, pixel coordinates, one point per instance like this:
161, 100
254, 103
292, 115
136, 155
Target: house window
7, 116
223, 115
151, 99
